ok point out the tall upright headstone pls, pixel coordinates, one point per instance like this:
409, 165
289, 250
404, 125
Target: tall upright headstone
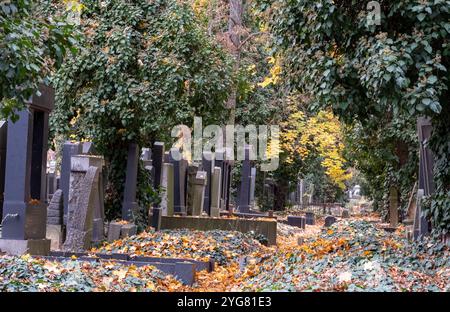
243, 201
180, 177
192, 173
252, 186
168, 188
69, 149
157, 164
3, 135
129, 205
198, 197
24, 208
393, 207
216, 178
207, 166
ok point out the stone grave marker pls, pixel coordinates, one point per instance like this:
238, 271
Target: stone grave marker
252, 186
157, 163
51, 185
83, 195
55, 215
345, 214
393, 207
3, 135
24, 207
207, 166
129, 205
199, 186
180, 177
192, 173
310, 218
69, 149
297, 221
243, 201
216, 179
329, 221
168, 188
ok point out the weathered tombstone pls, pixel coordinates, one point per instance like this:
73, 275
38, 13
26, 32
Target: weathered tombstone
192, 173
207, 166
310, 218
3, 135
167, 190
180, 176
55, 214
329, 221
243, 201
128, 230
157, 163
252, 186
345, 214
24, 207
393, 207
69, 149
226, 166
297, 221
114, 230
129, 205
88, 148
215, 192
51, 185
199, 186
83, 195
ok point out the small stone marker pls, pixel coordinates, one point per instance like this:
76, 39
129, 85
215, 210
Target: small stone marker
310, 218
215, 192
114, 230
297, 221
345, 214
329, 221
128, 230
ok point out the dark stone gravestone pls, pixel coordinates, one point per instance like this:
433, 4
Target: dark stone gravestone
51, 185
297, 221
24, 208
207, 166
426, 183
69, 149
310, 218
329, 221
243, 201
345, 214
157, 163
192, 172
180, 177
225, 165
252, 186
216, 179
3, 135
129, 205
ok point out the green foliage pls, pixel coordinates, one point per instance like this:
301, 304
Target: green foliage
144, 68
375, 76
31, 45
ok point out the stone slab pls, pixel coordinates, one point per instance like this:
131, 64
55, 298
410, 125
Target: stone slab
17, 247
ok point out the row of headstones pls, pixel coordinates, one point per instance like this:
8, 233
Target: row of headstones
310, 219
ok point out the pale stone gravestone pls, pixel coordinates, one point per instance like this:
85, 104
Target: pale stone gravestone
129, 205
83, 199
192, 173
55, 214
393, 207
180, 177
329, 221
310, 218
297, 221
168, 188
25, 208
3, 135
215, 192
243, 201
198, 198
114, 230
69, 149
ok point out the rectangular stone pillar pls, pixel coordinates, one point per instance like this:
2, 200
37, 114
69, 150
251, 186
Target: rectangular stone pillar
170, 189
252, 186
207, 166
216, 192
393, 207
198, 198
192, 173
69, 149
24, 208
157, 162
3, 136
180, 177
129, 205
243, 201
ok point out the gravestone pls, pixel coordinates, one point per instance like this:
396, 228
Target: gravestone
55, 215
168, 188
83, 196
243, 201
345, 214
129, 205
192, 173
69, 149
88, 148
3, 135
215, 192
226, 167
51, 185
198, 197
297, 221
114, 229
179, 177
24, 207
329, 221
157, 164
252, 186
207, 166
310, 218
